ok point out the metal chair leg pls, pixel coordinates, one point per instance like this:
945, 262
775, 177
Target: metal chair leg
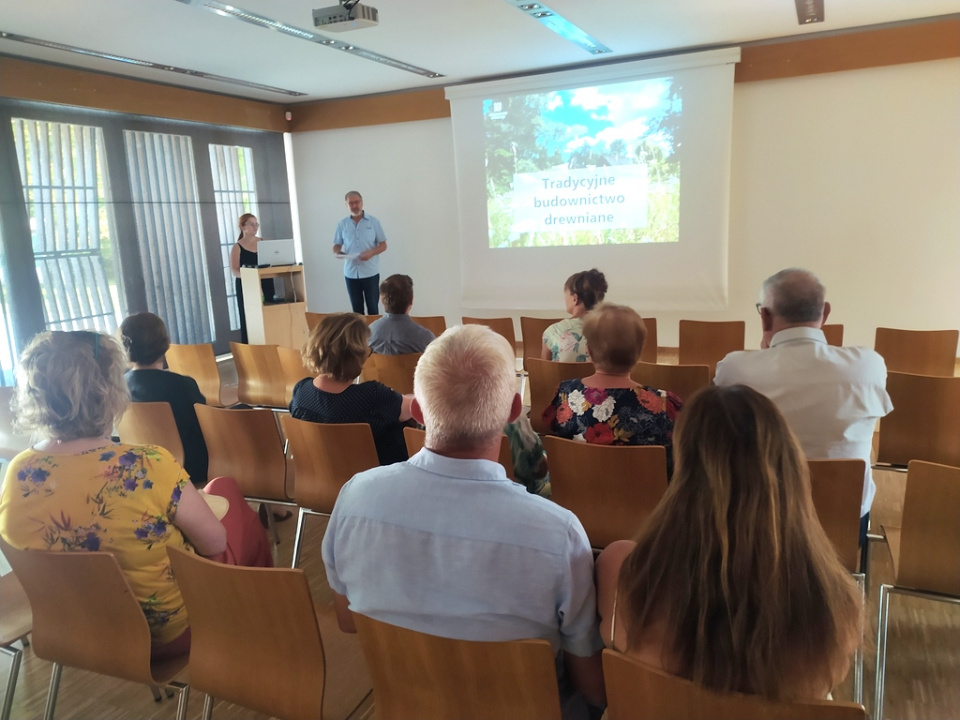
858, 655
157, 697
183, 699
881, 650
51, 707
298, 539
208, 707
15, 657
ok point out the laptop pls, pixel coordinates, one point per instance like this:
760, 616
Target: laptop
276, 252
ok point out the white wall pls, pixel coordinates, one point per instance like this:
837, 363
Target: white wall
854, 175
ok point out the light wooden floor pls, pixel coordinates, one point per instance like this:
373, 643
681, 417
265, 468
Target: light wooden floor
923, 664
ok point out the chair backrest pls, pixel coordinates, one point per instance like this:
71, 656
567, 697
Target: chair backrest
684, 380
415, 439
925, 421
834, 334
930, 531
649, 352
325, 456
707, 343
245, 445
921, 352
417, 676
313, 319
198, 362
837, 489
84, 613
436, 324
610, 488
11, 442
531, 335
260, 378
394, 371
256, 640
501, 326
636, 690
545, 376
291, 363
151, 423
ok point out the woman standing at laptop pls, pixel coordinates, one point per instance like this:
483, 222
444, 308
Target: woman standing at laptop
244, 254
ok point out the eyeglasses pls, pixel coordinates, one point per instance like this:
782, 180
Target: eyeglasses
760, 308
252, 224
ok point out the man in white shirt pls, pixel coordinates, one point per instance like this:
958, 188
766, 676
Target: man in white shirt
446, 544
830, 396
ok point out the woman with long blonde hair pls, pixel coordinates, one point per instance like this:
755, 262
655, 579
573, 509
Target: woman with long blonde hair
244, 254
731, 582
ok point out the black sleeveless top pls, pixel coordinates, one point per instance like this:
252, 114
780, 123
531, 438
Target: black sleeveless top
249, 259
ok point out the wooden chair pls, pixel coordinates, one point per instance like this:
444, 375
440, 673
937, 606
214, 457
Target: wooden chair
12, 443
707, 343
650, 349
394, 371
86, 616
837, 489
313, 319
151, 423
198, 362
418, 676
291, 364
925, 549
258, 641
436, 324
415, 438
531, 335
260, 378
501, 326
545, 376
16, 622
684, 380
920, 352
325, 456
924, 423
636, 690
610, 488
834, 334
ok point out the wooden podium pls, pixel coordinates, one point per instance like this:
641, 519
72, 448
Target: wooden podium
282, 322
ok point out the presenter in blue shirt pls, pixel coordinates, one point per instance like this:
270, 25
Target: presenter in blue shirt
359, 239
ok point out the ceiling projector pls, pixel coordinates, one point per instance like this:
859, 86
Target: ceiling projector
348, 15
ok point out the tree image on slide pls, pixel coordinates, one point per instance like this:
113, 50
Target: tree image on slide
555, 134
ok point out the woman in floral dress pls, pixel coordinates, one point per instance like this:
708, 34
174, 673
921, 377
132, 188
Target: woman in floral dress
609, 407
77, 490
564, 341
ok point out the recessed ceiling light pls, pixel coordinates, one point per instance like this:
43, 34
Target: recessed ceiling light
145, 63
561, 26
253, 18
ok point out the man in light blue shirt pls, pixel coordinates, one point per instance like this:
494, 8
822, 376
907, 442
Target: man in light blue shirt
446, 544
359, 239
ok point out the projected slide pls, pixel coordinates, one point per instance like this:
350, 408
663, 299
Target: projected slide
586, 166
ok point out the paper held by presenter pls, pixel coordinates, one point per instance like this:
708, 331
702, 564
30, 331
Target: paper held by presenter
346, 256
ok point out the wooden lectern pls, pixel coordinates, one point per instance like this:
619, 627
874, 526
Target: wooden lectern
282, 321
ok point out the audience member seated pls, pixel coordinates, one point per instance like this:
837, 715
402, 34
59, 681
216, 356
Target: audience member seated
145, 337
609, 407
336, 350
831, 396
77, 490
446, 544
731, 582
395, 333
564, 341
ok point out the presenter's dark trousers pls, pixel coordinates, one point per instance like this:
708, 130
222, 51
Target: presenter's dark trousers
364, 288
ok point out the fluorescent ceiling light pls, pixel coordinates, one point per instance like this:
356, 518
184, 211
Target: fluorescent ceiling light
236, 13
144, 63
555, 22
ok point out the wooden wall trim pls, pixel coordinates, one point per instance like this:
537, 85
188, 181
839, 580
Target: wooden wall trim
370, 110
29, 80
917, 42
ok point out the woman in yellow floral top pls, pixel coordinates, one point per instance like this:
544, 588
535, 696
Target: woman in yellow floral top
77, 490
609, 407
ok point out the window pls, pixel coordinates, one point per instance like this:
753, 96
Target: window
71, 223
235, 193
167, 210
